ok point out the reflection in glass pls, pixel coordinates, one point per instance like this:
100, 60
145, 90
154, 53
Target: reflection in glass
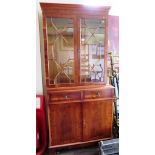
92, 50
60, 50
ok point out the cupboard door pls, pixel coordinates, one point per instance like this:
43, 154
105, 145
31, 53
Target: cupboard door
92, 46
65, 123
60, 50
97, 120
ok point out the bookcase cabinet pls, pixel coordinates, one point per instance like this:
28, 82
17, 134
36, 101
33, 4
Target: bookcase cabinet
79, 101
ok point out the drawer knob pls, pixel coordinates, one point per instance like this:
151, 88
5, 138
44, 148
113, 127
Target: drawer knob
66, 97
98, 94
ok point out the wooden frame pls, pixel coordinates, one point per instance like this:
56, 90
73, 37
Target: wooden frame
76, 12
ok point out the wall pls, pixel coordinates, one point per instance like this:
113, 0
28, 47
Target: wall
39, 53
39, 85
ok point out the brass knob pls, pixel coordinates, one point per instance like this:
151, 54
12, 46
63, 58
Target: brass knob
66, 97
98, 94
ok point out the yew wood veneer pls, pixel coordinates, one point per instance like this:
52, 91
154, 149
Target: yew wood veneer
79, 111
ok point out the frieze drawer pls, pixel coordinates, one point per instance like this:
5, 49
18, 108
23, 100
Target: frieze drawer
105, 93
65, 96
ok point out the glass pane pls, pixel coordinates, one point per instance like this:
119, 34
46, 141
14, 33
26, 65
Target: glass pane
60, 50
92, 50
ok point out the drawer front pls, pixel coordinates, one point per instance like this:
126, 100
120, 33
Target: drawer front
65, 96
105, 93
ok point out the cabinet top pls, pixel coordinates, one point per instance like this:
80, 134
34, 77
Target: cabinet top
78, 7
75, 44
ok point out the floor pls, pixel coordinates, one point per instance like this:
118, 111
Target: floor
93, 150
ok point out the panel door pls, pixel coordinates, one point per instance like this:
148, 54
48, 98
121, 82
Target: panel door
60, 50
65, 123
92, 49
97, 120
